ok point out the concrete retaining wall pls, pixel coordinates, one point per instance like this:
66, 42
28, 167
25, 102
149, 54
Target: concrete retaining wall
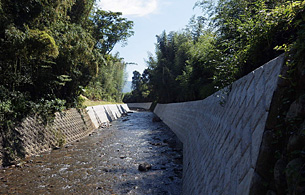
140, 105
68, 126
222, 134
106, 113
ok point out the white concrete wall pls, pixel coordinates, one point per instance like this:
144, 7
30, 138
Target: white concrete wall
140, 105
221, 142
106, 113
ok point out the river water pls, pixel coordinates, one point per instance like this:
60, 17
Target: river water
106, 162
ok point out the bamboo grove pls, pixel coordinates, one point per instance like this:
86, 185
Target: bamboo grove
229, 40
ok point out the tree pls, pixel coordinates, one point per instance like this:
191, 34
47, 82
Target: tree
80, 11
109, 29
196, 27
49, 52
136, 80
108, 83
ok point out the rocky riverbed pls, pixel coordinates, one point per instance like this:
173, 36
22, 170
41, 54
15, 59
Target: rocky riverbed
133, 156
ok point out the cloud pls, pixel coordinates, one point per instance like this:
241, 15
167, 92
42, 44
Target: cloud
129, 7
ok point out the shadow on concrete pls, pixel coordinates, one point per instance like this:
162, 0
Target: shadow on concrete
108, 114
12, 146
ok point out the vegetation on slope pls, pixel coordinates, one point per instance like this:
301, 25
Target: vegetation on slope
50, 53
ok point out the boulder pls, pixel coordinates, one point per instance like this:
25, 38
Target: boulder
144, 167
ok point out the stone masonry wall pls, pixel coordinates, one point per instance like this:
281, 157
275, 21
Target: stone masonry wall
68, 126
222, 134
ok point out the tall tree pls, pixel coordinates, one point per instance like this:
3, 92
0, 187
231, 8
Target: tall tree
109, 28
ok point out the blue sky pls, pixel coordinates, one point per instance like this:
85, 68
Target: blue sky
150, 18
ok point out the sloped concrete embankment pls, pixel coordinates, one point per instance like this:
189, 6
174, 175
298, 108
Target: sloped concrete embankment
102, 114
145, 105
36, 137
222, 134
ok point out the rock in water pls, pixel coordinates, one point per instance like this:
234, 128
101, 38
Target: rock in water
144, 166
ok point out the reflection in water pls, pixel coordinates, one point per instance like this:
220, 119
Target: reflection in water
104, 163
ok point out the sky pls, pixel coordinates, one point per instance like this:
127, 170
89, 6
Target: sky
151, 18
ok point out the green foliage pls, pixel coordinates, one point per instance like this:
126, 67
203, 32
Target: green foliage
60, 138
182, 69
108, 83
42, 43
203, 59
136, 80
233, 38
80, 11
141, 90
49, 52
248, 31
109, 28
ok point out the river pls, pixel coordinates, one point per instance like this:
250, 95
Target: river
106, 162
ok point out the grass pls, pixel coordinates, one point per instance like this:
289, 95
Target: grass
96, 103
88, 102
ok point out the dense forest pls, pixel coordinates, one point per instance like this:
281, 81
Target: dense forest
229, 40
51, 53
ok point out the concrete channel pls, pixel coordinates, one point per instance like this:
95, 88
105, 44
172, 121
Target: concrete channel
106, 162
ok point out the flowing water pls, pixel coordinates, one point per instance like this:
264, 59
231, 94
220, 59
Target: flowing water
106, 162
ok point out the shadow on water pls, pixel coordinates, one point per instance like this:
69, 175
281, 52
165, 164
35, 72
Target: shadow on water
104, 163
